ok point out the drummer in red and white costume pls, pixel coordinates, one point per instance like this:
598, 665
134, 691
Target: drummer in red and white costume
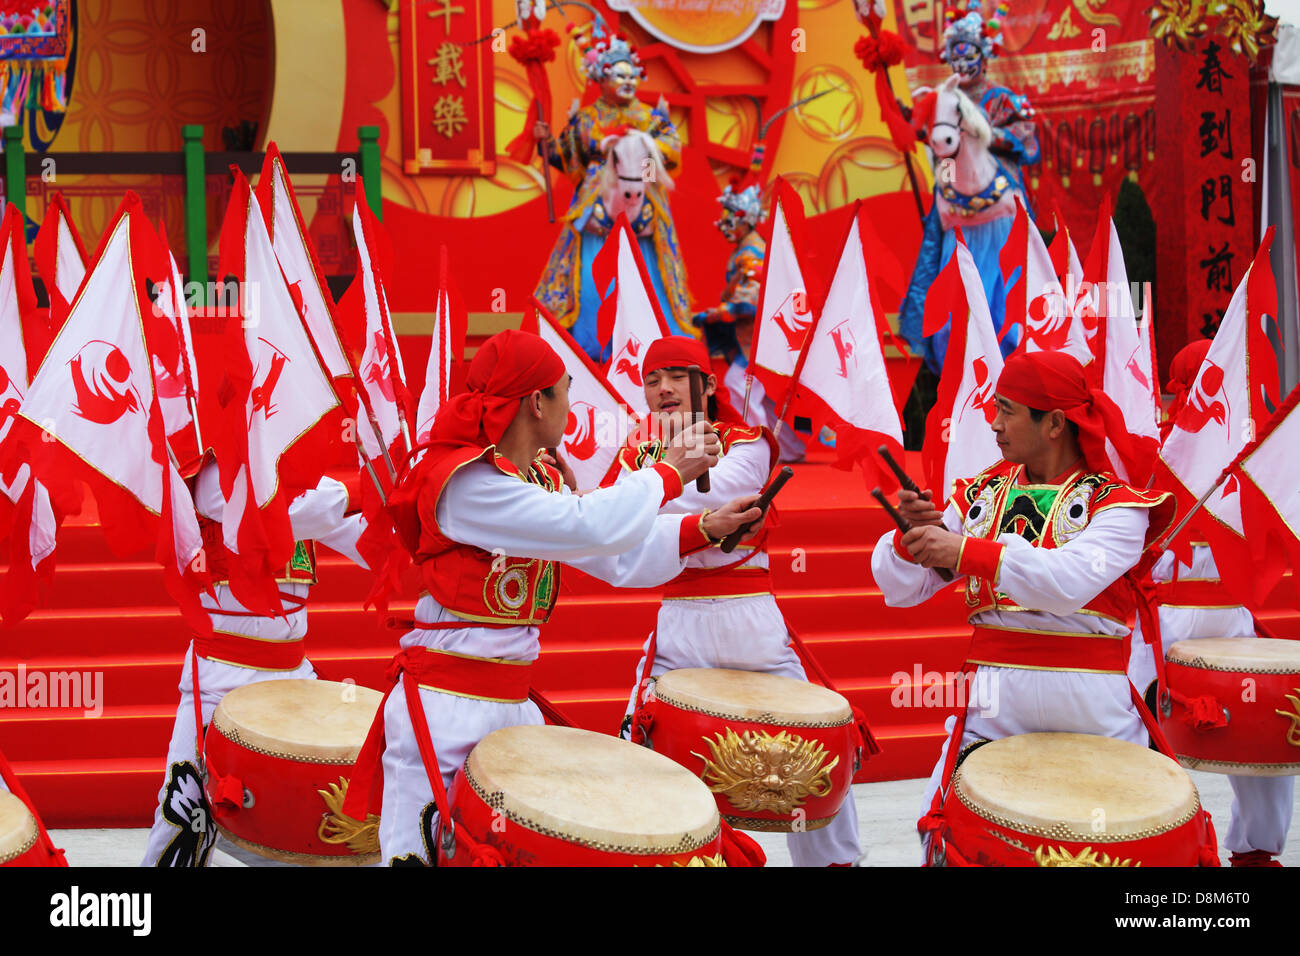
1193, 603
487, 522
712, 618
243, 650
1041, 543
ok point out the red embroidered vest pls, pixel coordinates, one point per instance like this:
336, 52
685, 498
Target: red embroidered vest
1049, 516
473, 583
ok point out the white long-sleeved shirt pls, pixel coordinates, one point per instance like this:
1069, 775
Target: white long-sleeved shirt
742, 471
615, 534
1051, 584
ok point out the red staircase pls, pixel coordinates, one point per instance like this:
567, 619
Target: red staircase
113, 617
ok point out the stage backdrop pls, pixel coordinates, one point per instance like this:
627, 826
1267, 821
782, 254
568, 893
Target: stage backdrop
448, 180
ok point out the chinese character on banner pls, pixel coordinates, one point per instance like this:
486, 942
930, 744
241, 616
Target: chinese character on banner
447, 105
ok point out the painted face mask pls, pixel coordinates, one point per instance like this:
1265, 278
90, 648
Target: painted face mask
622, 81
966, 61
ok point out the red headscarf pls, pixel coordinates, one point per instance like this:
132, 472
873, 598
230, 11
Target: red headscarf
509, 366
680, 351
1182, 373
1049, 380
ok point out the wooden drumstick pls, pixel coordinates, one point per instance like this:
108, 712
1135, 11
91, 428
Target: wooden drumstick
903, 524
764, 500
903, 477
698, 410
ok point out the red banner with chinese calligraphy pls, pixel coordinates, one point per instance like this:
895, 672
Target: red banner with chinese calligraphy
1204, 239
447, 106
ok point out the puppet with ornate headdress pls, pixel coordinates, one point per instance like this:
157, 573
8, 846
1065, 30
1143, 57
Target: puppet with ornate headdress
965, 120
618, 151
728, 327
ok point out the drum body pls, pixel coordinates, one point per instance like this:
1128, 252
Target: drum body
278, 758
778, 754
20, 843
1071, 800
1257, 682
559, 796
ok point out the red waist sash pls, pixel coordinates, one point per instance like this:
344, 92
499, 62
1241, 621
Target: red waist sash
481, 678
1204, 594
1038, 650
727, 581
251, 652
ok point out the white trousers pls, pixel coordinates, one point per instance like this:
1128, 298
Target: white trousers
748, 634
183, 833
408, 823
1261, 806
1019, 701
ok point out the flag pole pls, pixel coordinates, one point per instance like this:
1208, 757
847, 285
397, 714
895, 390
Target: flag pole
1164, 542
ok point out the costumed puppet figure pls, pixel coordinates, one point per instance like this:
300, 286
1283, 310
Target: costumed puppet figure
729, 326
618, 152
980, 134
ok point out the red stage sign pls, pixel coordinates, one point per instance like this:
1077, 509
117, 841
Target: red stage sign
447, 106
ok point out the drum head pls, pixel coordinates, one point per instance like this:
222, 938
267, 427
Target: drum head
1076, 787
17, 827
592, 789
749, 695
308, 720
1244, 654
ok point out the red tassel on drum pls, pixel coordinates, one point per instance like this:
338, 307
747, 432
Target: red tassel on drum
1202, 713
227, 791
740, 849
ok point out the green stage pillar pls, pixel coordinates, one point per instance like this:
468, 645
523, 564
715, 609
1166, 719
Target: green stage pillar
370, 172
15, 168
196, 208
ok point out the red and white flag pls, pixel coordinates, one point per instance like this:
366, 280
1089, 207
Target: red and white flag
959, 439
447, 348
1040, 293
1234, 391
1124, 368
92, 413
629, 318
381, 379
844, 365
598, 422
60, 259
177, 386
276, 391
297, 257
786, 303
1270, 510
24, 504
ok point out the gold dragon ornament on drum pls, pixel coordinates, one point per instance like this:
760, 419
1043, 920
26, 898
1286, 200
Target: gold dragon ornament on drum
778, 754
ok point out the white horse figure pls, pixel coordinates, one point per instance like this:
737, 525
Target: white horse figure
631, 160
971, 188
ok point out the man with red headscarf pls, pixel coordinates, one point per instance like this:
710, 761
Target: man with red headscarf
487, 522
1044, 543
1193, 603
720, 611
